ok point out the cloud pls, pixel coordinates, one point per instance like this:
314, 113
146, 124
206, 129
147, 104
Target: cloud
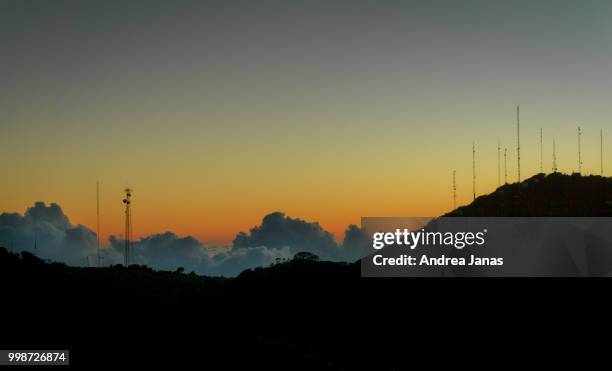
46, 231
165, 251
356, 243
51, 214
280, 231
237, 260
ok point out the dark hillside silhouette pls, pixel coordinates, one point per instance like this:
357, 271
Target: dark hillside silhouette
305, 313
554, 194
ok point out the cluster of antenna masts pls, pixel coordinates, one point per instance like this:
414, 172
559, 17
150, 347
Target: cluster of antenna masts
518, 158
128, 257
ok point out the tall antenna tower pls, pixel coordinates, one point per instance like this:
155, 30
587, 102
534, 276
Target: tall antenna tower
98, 219
579, 151
454, 190
474, 169
601, 150
128, 225
554, 168
541, 153
498, 164
518, 142
505, 165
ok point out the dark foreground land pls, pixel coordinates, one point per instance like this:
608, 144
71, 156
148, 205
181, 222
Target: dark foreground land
305, 315
301, 315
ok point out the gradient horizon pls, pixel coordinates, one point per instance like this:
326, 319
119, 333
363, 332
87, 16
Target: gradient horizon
218, 113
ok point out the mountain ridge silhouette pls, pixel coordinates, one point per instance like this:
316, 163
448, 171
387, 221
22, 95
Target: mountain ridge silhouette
542, 195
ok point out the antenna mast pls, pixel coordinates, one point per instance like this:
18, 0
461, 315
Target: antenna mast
579, 152
518, 142
128, 225
554, 169
474, 169
541, 153
601, 149
505, 165
454, 190
98, 219
498, 164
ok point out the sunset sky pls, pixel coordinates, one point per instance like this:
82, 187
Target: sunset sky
218, 113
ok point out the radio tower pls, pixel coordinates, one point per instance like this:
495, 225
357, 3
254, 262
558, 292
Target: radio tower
518, 142
454, 190
505, 165
128, 226
554, 168
474, 169
498, 164
601, 150
98, 219
541, 153
579, 152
